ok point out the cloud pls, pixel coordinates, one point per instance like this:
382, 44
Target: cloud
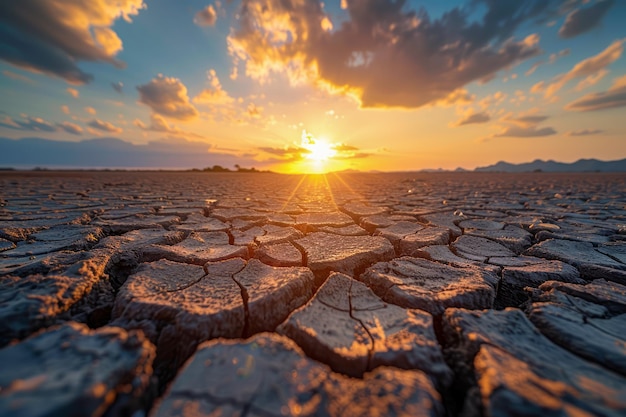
216, 95
37, 124
159, 124
286, 154
104, 126
525, 132
584, 19
524, 125
52, 36
16, 76
383, 54
529, 120
65, 109
73, 92
612, 98
206, 16
552, 60
118, 86
115, 153
473, 118
585, 132
90, 110
591, 69
167, 96
71, 128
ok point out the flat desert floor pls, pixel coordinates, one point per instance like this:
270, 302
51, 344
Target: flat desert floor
204, 294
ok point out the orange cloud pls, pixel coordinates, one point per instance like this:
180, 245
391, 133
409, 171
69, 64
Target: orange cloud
384, 55
214, 95
592, 69
104, 126
52, 36
612, 98
473, 118
168, 97
73, 92
159, 124
206, 16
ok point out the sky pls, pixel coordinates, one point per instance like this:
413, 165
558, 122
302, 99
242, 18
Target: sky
309, 86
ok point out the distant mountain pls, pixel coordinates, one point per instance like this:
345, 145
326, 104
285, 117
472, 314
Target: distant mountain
582, 165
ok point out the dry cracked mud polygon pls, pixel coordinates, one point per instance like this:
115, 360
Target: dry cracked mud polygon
162, 294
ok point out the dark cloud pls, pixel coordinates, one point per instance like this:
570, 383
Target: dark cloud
118, 86
529, 120
610, 99
104, 126
71, 128
384, 53
51, 36
114, 153
36, 124
523, 126
525, 132
585, 132
584, 19
168, 97
287, 154
473, 118
206, 16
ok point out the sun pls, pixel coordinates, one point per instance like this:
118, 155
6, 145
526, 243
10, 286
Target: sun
320, 151
317, 150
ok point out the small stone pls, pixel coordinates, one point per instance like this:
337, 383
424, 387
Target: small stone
6, 245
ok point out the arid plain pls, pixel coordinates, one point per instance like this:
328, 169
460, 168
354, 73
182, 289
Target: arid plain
206, 294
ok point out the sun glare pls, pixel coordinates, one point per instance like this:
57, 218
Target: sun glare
318, 151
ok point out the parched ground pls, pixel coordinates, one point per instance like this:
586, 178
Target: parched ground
195, 294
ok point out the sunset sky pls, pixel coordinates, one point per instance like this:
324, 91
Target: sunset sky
309, 86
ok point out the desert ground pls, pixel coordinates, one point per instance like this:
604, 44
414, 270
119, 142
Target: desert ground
417, 294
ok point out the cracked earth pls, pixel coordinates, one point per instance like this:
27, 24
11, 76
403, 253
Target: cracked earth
194, 294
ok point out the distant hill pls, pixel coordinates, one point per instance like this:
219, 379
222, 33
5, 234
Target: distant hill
582, 165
